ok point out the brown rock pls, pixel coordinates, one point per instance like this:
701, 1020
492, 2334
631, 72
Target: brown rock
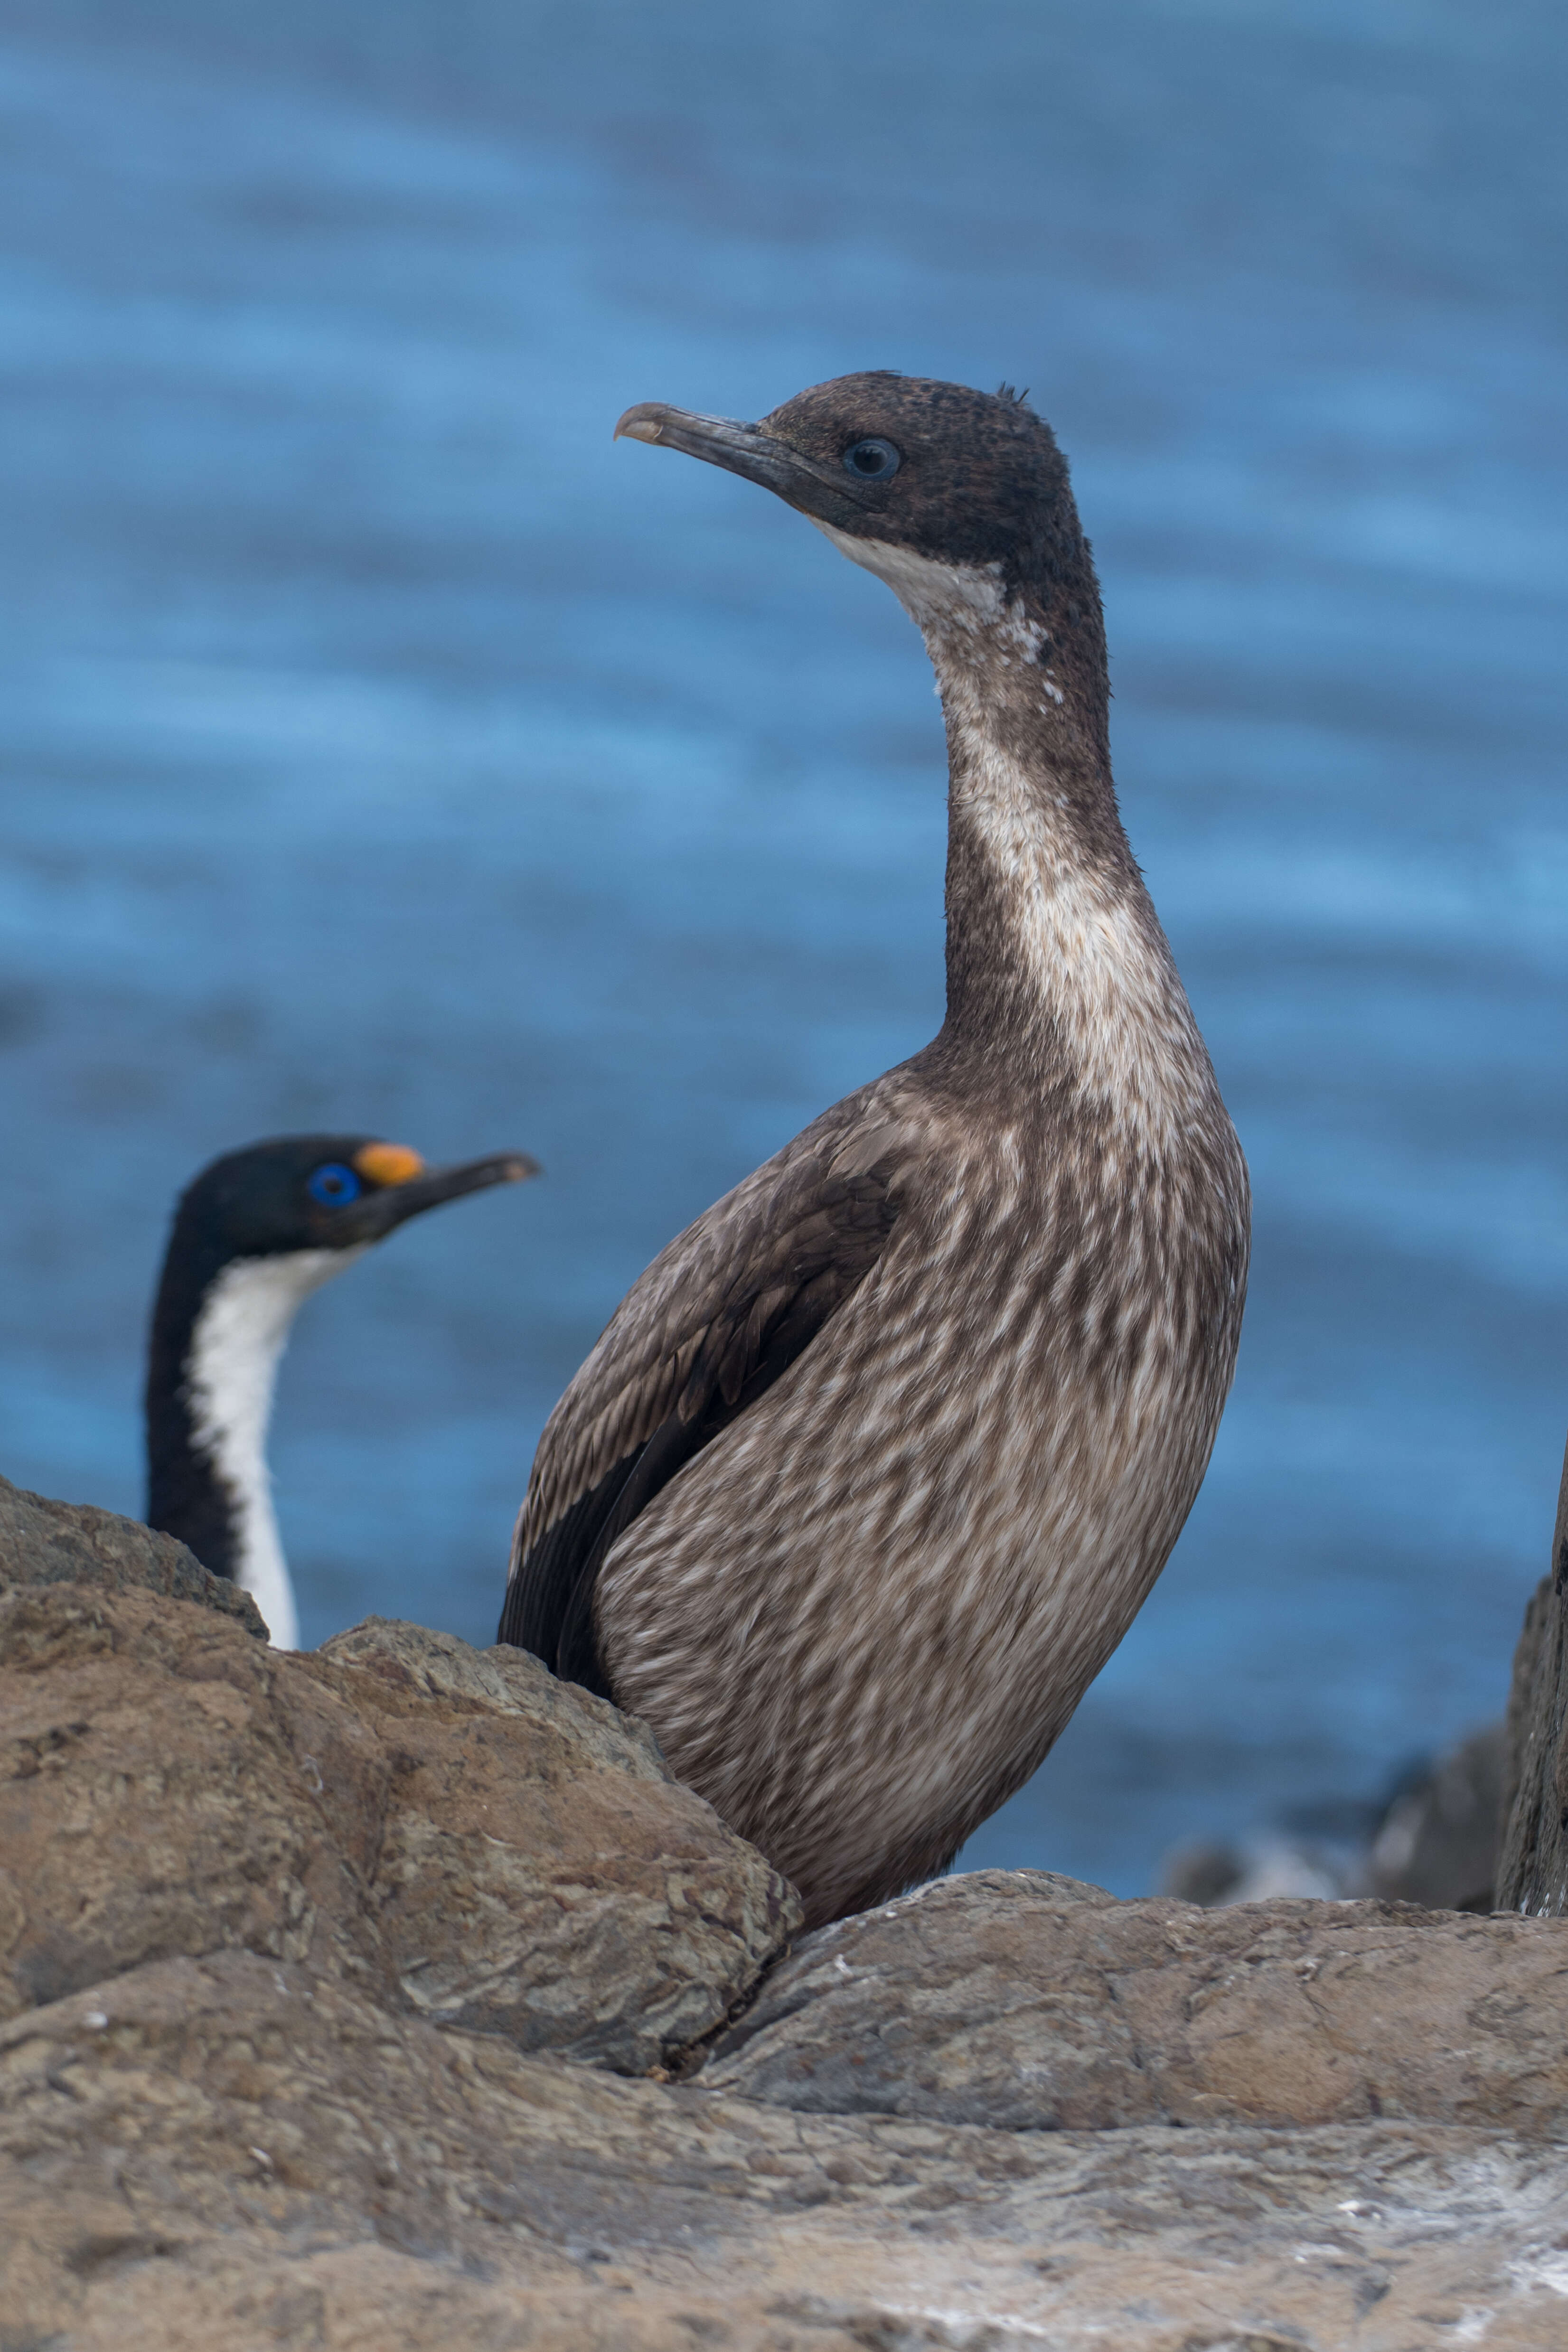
538, 1872
152, 1802
242, 2152
43, 1542
454, 1828
1532, 1874
1001, 1998
300, 1883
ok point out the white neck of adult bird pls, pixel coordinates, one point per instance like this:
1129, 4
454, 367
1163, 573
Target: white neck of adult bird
231, 1372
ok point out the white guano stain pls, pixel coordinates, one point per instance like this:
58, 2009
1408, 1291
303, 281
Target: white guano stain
1547, 2268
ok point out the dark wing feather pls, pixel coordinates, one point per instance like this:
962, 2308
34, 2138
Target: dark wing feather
713, 1323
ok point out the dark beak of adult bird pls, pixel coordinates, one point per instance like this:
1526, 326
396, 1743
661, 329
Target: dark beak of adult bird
399, 1195
826, 493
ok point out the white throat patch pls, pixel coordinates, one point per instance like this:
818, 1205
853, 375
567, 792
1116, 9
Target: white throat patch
949, 602
231, 1372
963, 595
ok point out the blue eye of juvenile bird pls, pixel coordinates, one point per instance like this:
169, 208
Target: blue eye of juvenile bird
873, 461
333, 1185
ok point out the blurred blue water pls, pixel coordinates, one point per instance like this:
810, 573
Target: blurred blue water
382, 747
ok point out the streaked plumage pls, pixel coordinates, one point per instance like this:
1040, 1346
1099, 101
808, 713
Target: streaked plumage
873, 1466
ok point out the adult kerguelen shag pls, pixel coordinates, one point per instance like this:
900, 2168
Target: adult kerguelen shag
253, 1235
874, 1465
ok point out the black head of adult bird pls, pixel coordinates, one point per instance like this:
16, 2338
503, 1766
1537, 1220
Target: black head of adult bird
253, 1235
872, 1468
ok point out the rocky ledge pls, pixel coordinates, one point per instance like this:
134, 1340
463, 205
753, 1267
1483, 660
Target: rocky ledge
394, 1997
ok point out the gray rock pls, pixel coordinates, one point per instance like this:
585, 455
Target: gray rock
1202, 1870
999, 1999
539, 1874
302, 1881
475, 1840
43, 1542
504, 1681
1253, 1871
1532, 1874
242, 2152
1438, 1843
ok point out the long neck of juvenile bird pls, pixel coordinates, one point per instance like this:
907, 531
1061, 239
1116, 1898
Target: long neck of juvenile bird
212, 1369
1058, 973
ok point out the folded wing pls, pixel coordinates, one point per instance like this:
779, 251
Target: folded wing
716, 1320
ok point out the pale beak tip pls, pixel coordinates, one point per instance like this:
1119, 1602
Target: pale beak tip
642, 422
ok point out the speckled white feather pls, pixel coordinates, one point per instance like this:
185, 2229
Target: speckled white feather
1099, 960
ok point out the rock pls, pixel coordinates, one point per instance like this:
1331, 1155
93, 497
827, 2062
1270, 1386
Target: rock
453, 1828
1203, 1869
1532, 1874
1253, 1871
1435, 1841
999, 1999
238, 2151
1438, 1843
538, 1872
305, 1955
152, 1799
71, 1543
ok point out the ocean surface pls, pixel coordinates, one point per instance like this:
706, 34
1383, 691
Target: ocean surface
383, 748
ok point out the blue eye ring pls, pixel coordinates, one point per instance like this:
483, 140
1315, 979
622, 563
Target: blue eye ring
872, 459
333, 1185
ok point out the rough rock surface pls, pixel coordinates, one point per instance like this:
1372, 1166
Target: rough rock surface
1016, 2000
295, 1945
235, 2151
1533, 1874
43, 1542
452, 1828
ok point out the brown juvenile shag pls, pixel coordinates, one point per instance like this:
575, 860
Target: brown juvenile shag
873, 1467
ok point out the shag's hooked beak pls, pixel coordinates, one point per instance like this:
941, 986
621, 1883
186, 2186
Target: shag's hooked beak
376, 1214
747, 450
